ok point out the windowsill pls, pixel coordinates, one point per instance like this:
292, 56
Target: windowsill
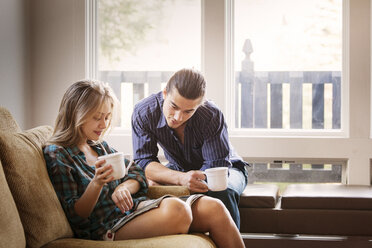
287, 133
262, 133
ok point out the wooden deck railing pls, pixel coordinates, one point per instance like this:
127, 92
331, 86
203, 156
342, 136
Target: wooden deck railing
263, 99
261, 103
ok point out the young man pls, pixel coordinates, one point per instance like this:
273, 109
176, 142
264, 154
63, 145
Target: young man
193, 134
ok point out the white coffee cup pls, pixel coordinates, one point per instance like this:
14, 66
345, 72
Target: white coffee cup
117, 162
217, 178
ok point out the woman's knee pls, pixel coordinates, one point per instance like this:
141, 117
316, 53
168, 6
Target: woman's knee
213, 208
177, 214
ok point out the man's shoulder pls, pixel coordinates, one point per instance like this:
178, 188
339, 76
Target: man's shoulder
148, 105
209, 111
148, 110
150, 100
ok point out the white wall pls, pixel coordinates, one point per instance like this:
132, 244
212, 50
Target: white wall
42, 51
57, 53
14, 77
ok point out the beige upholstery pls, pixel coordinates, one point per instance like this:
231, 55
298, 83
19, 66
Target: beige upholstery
171, 241
157, 191
11, 231
7, 123
39, 213
39, 208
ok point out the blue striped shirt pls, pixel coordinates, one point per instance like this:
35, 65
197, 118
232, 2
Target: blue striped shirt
206, 142
70, 175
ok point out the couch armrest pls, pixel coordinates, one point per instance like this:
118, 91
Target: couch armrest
157, 191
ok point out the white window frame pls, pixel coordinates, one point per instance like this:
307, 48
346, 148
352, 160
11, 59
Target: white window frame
230, 92
350, 145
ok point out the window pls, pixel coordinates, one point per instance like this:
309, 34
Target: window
328, 122
141, 44
288, 63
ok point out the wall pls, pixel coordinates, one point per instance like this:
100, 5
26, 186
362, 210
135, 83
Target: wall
14, 74
42, 51
57, 53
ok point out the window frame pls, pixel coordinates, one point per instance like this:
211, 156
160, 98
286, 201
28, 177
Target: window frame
230, 90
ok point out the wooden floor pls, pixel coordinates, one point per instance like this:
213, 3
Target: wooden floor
304, 241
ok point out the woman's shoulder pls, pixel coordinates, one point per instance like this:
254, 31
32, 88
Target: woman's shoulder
53, 148
54, 151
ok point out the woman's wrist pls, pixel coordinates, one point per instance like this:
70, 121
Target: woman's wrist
96, 185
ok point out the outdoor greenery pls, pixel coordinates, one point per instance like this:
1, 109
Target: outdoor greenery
123, 24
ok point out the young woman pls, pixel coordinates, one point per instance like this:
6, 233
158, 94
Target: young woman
94, 202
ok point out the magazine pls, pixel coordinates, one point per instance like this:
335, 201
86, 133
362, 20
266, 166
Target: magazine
148, 205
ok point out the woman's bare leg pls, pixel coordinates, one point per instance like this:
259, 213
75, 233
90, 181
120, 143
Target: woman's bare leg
173, 216
210, 215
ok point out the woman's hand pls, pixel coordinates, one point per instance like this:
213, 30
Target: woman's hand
122, 198
103, 173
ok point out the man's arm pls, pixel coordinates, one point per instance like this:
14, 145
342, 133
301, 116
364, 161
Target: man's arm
193, 180
145, 154
216, 145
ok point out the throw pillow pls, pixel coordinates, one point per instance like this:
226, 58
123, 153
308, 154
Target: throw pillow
25, 170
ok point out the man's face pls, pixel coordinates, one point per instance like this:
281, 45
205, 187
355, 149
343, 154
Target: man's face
177, 109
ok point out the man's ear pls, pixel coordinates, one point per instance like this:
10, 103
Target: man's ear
164, 93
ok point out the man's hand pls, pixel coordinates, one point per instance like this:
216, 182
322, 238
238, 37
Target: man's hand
193, 180
122, 198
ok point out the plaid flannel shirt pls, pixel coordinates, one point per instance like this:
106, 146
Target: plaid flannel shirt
70, 175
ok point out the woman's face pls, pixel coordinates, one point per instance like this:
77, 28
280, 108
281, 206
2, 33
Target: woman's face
97, 122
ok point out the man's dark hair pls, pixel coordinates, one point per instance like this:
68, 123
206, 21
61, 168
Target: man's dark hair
189, 83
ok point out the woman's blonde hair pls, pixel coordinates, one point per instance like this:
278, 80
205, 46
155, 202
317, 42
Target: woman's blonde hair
81, 100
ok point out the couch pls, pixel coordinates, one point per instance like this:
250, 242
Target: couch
30, 213
307, 215
304, 215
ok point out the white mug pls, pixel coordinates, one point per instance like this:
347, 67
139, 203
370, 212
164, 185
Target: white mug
217, 178
117, 162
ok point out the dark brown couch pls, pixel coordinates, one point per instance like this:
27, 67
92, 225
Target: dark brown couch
312, 214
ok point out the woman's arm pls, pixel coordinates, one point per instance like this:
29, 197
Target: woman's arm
122, 195
85, 204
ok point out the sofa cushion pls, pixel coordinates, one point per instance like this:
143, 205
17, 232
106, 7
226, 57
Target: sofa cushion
259, 196
7, 123
168, 241
158, 191
327, 196
11, 231
25, 170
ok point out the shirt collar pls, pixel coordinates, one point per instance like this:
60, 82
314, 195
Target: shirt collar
75, 151
162, 121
